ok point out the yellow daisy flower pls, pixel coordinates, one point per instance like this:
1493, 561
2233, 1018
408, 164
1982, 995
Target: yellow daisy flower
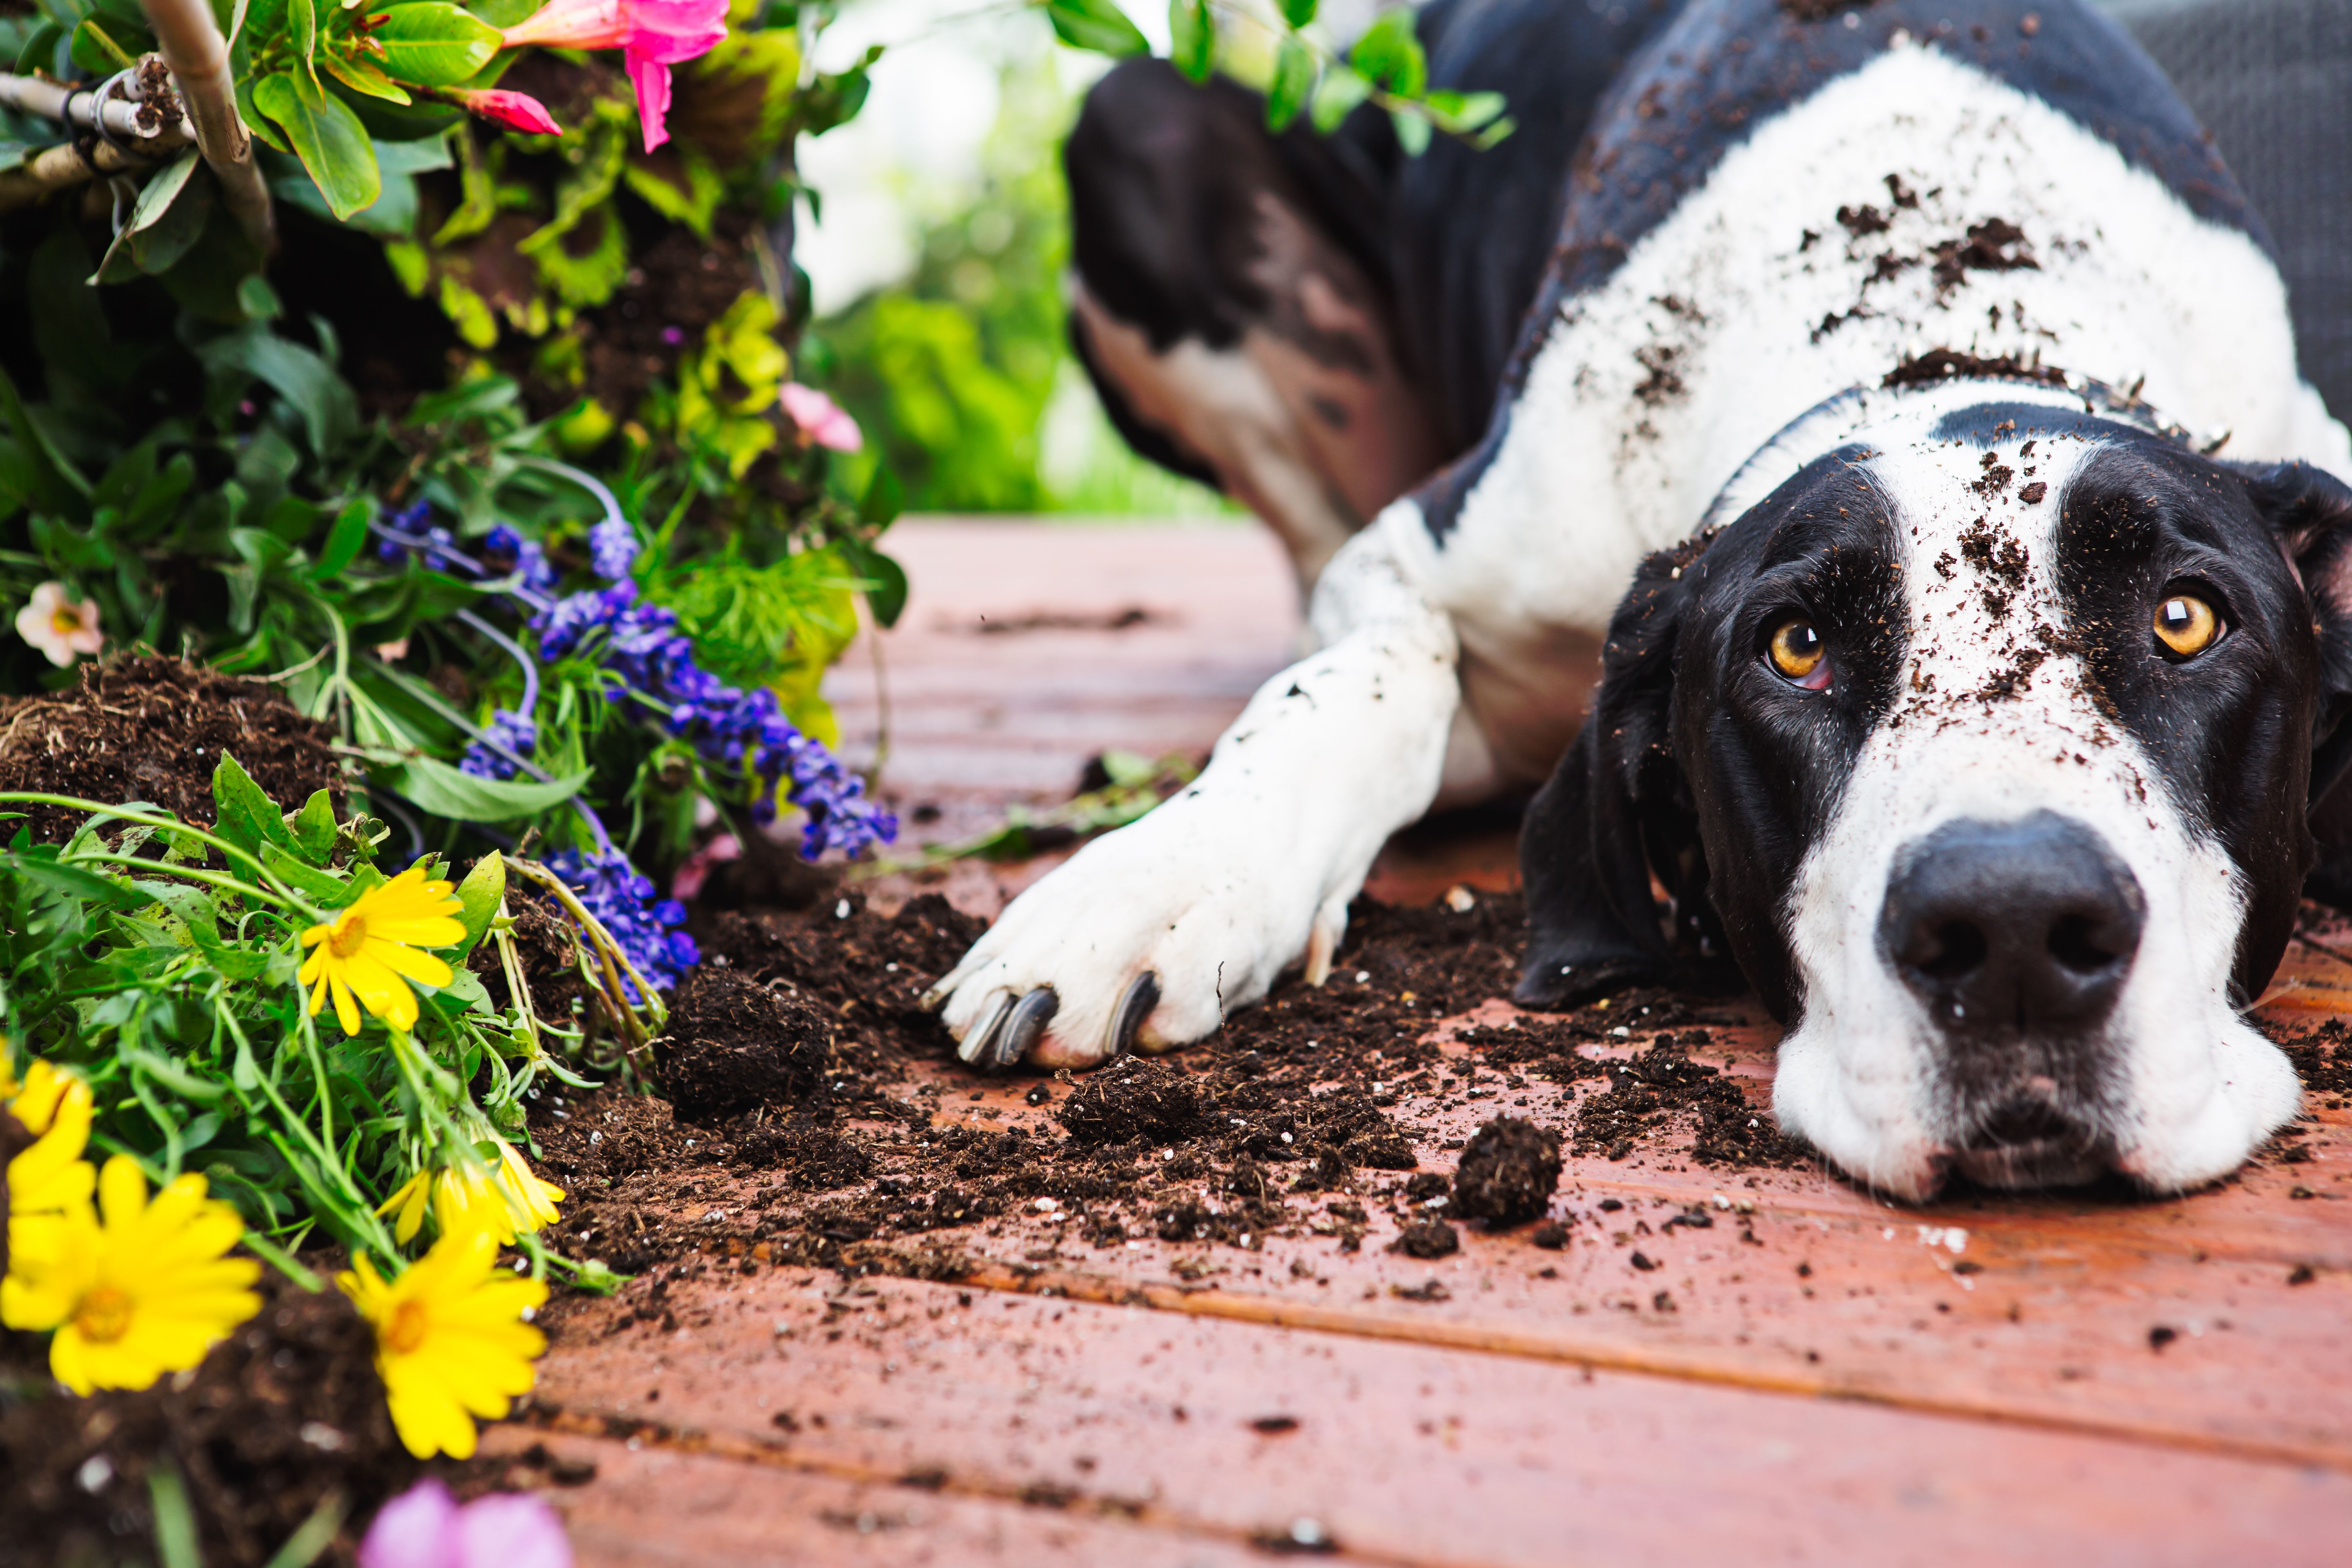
450, 1339
509, 1198
370, 950
50, 1179
145, 1292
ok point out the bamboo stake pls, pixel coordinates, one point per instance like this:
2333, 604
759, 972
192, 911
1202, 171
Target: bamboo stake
62, 167
128, 118
144, 122
191, 44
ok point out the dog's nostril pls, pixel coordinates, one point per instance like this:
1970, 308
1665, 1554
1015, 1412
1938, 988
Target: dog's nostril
2027, 925
1951, 950
2074, 943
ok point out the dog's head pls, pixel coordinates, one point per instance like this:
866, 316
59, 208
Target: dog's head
1983, 742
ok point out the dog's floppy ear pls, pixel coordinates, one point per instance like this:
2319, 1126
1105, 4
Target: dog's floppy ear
1615, 810
2310, 511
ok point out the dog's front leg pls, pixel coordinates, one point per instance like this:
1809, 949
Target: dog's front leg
1151, 935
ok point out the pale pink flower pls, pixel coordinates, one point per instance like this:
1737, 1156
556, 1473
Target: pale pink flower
424, 1527
821, 419
653, 36
60, 628
518, 110
685, 882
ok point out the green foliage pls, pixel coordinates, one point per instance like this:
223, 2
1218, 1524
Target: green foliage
160, 963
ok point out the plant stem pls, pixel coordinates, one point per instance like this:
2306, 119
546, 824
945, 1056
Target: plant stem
191, 44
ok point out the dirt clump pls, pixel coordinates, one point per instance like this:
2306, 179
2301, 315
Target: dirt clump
99, 741
284, 1412
1428, 1239
733, 1045
1506, 1173
1137, 1099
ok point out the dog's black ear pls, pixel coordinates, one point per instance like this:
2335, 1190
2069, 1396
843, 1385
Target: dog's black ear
1615, 811
2310, 511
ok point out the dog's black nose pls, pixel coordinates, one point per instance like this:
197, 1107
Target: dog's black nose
2027, 926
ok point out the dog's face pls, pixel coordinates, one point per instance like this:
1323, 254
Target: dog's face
1984, 743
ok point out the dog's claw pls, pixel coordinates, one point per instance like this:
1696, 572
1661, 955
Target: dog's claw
1022, 1027
1135, 1004
983, 1029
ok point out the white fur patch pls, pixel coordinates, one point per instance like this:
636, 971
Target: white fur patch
1217, 892
1996, 721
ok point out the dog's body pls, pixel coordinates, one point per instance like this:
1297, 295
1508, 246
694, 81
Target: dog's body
1826, 350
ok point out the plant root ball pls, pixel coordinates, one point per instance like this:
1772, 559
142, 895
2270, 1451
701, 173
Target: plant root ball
733, 1045
1136, 1099
1507, 1174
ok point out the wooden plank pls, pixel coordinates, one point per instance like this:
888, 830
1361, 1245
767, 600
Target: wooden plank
1408, 1453
664, 1504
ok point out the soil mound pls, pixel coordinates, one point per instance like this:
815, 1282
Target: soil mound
1138, 1100
737, 1046
1506, 1173
154, 729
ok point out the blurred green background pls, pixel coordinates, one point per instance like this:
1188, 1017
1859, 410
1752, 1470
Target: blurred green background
937, 251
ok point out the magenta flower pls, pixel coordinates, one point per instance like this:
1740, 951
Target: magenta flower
519, 110
821, 419
424, 1527
652, 35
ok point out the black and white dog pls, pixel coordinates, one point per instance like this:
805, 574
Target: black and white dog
1926, 375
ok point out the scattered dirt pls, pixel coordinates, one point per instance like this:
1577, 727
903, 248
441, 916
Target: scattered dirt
1942, 364
284, 1412
1661, 1087
1138, 1100
1506, 1173
98, 742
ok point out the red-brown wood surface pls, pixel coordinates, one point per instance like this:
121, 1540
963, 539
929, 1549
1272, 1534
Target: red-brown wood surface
1815, 1375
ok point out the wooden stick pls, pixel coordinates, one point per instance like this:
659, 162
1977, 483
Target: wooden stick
191, 44
80, 107
60, 168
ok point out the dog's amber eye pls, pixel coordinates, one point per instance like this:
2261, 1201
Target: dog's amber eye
1797, 652
2185, 626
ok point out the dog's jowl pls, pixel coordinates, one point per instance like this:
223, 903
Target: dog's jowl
1894, 407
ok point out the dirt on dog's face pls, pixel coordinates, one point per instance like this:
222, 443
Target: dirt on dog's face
1983, 743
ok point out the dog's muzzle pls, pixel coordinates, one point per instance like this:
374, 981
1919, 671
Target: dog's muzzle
2017, 937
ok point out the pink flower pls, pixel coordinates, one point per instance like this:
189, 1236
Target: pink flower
821, 419
518, 110
57, 627
652, 35
685, 882
424, 1527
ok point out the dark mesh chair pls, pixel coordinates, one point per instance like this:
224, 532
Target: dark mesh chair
2273, 81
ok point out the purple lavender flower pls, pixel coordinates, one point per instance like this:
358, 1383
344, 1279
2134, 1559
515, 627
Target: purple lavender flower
611, 548
623, 899
424, 1527
508, 553
736, 731
515, 731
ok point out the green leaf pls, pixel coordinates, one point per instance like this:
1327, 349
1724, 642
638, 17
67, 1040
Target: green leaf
330, 410
243, 815
302, 30
443, 791
1412, 132
1298, 13
97, 53
1337, 96
362, 77
1390, 56
1095, 25
1463, 112
342, 546
1293, 81
331, 891
434, 44
41, 50
479, 895
1192, 37
167, 220
313, 828
329, 139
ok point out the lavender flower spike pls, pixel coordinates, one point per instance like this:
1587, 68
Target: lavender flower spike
620, 898
517, 733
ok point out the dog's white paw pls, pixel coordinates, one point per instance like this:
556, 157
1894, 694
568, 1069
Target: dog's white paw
1147, 938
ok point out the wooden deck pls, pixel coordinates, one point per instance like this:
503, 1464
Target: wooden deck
1815, 1375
